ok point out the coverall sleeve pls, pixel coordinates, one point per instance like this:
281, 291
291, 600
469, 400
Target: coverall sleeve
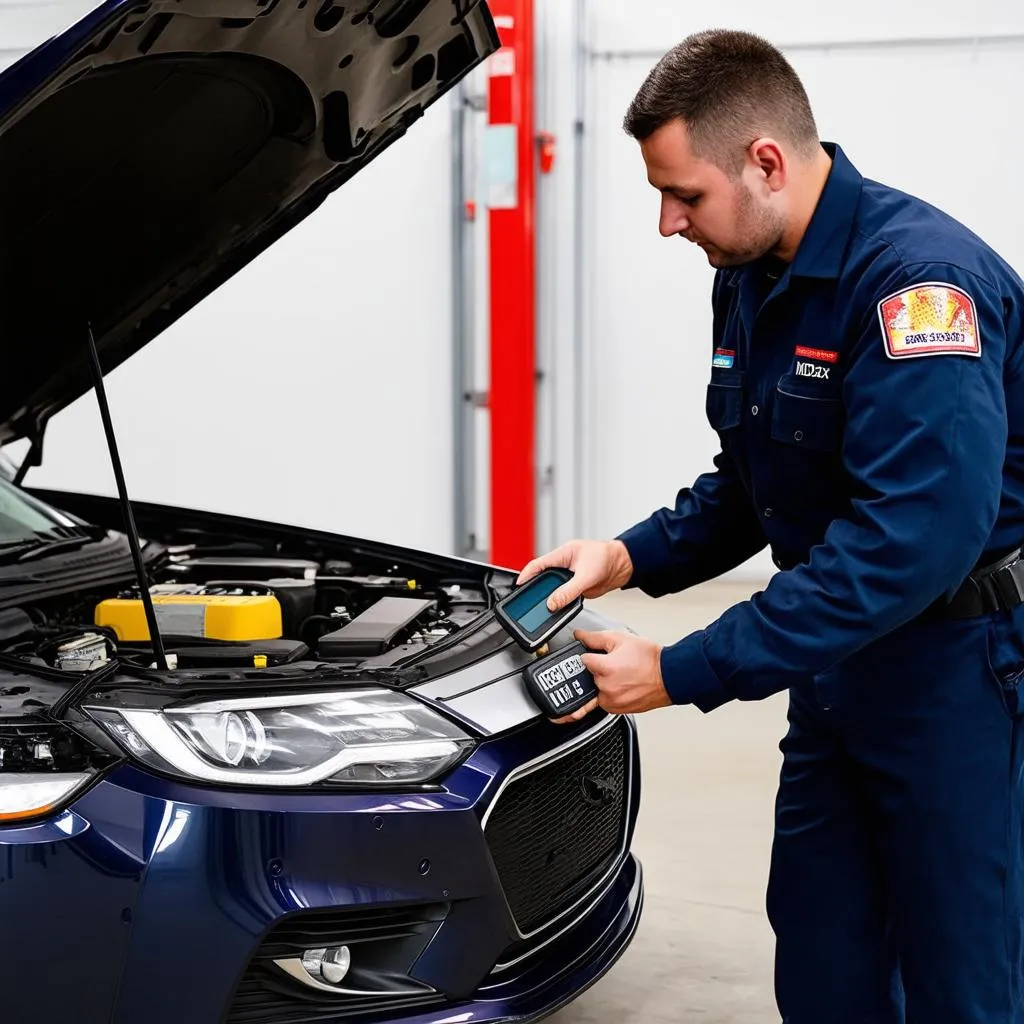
712, 528
924, 445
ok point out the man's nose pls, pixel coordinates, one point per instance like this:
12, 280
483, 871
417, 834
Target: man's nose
673, 219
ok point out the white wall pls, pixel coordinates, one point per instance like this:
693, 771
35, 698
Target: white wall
315, 386
658, 24
24, 24
937, 120
560, 449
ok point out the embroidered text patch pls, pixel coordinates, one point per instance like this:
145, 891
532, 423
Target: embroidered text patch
929, 320
813, 370
821, 354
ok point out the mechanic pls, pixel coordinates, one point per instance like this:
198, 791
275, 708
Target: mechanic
866, 386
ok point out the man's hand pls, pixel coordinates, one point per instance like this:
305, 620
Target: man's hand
627, 670
598, 567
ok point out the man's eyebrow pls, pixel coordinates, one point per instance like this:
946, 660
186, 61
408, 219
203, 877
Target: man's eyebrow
681, 188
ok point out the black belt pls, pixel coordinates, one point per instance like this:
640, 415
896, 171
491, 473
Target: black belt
991, 588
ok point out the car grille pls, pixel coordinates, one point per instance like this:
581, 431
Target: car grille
555, 831
265, 995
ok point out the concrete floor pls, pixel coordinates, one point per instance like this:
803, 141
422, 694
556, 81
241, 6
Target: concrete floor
704, 948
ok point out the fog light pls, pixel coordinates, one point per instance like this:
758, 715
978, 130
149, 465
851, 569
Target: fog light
329, 965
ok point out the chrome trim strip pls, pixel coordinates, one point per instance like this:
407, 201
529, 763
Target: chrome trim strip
498, 968
534, 950
555, 755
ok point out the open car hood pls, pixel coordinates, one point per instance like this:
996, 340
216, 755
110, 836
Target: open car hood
154, 149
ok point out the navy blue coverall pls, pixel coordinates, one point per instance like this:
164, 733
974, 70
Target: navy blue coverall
869, 399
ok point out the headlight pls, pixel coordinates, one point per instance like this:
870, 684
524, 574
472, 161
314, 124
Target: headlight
43, 766
367, 737
30, 796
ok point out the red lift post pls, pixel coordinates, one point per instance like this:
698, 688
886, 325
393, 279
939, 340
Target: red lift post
512, 392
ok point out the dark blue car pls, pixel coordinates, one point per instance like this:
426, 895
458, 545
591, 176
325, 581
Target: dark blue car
251, 773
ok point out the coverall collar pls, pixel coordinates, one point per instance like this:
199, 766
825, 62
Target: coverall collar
821, 250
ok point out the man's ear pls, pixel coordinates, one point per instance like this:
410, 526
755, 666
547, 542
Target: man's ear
769, 160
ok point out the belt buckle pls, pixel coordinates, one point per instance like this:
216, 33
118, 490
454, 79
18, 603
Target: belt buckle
1008, 584
999, 585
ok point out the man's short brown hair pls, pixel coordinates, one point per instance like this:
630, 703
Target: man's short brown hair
728, 88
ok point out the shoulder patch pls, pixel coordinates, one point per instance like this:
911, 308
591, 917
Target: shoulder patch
930, 319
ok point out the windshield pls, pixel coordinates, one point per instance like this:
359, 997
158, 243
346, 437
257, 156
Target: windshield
24, 518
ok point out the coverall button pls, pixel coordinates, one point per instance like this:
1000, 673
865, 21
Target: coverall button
768, 512
754, 411
798, 436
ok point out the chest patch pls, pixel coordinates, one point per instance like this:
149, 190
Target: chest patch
822, 355
929, 320
813, 370
724, 358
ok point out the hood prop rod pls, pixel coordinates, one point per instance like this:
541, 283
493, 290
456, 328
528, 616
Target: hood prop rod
126, 508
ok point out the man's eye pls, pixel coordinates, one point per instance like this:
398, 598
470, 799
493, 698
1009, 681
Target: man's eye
689, 200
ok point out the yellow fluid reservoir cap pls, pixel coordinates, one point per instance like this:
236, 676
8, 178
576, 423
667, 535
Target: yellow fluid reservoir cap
259, 660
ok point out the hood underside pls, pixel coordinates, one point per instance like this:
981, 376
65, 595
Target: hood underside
155, 149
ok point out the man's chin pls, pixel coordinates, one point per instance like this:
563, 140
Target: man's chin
718, 259
724, 260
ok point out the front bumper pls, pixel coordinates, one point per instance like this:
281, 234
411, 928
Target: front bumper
151, 900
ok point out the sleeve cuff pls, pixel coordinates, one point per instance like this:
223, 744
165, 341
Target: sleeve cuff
689, 677
647, 551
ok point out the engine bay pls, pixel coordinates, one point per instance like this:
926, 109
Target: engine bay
247, 612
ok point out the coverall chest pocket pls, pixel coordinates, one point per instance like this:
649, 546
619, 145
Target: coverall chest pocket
724, 404
806, 419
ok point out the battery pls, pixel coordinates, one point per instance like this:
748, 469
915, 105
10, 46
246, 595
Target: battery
185, 610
